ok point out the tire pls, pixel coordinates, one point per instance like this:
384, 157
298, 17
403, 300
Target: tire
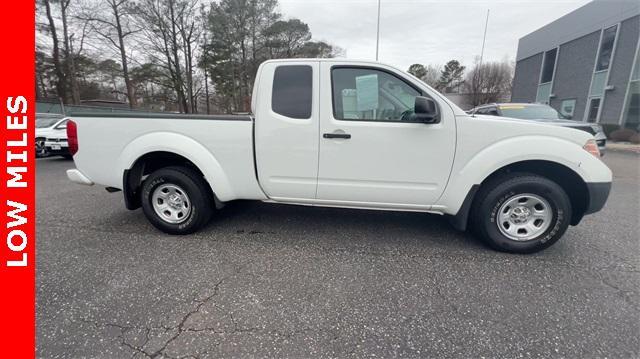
175, 190
67, 157
521, 213
41, 151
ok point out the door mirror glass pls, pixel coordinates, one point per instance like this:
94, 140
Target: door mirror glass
425, 110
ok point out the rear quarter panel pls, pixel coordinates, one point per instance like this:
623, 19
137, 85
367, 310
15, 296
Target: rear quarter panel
222, 150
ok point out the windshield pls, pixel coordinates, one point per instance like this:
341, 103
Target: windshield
531, 112
43, 122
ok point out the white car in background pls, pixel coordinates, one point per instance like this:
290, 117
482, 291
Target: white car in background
51, 135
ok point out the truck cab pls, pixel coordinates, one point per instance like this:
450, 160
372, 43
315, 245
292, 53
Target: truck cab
347, 134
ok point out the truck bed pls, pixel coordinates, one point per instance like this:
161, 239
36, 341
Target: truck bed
110, 143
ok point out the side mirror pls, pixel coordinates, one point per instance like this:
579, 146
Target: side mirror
425, 110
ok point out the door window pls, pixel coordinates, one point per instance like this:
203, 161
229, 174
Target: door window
292, 91
362, 94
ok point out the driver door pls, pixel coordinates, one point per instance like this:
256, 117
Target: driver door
371, 155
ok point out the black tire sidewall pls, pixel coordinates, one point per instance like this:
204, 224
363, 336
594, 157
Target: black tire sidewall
542, 187
199, 205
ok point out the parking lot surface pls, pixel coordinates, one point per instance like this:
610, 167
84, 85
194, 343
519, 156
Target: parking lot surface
285, 281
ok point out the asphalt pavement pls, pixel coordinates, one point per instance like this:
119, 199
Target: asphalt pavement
266, 280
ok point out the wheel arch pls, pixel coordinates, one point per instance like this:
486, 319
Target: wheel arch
570, 181
158, 150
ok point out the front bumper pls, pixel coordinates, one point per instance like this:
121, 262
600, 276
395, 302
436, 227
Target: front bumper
598, 194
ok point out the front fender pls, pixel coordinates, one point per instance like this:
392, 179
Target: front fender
483, 163
184, 146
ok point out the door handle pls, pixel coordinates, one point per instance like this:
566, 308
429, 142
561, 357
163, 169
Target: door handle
337, 135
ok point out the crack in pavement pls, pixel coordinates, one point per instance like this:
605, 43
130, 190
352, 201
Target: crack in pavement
180, 329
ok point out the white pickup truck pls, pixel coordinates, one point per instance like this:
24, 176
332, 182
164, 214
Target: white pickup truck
353, 134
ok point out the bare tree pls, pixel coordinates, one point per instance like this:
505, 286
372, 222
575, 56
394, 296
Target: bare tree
188, 26
428, 74
61, 83
171, 32
203, 59
488, 82
69, 53
111, 21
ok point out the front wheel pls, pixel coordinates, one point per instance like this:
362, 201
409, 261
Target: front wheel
177, 200
521, 213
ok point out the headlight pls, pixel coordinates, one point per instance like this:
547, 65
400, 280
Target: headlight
596, 128
592, 147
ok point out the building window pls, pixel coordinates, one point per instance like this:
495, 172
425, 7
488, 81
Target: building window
292, 91
594, 107
601, 73
567, 107
548, 66
632, 109
631, 112
598, 83
544, 91
546, 76
606, 48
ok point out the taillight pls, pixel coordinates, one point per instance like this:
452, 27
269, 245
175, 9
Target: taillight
592, 147
72, 137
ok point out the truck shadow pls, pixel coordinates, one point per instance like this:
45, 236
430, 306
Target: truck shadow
285, 223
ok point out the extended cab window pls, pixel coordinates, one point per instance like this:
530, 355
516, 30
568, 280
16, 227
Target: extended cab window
292, 91
371, 95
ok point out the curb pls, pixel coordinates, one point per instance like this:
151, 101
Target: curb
623, 147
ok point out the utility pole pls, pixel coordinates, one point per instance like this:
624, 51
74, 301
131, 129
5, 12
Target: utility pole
476, 73
484, 38
378, 31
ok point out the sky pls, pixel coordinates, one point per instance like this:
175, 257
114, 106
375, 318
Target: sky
426, 31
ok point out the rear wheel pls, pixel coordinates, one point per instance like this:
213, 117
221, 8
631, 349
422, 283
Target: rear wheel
521, 213
177, 200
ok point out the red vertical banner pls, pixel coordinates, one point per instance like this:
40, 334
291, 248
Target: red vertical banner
17, 185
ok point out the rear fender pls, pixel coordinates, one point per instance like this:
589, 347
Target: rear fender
185, 147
